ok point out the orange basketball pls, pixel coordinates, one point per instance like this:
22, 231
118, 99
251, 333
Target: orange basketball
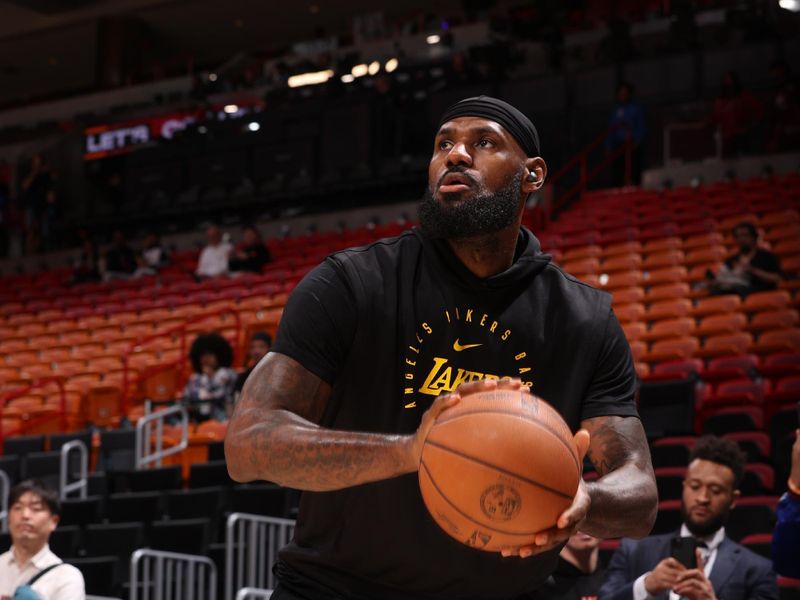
497, 468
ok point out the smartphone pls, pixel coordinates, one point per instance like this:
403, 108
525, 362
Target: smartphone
683, 549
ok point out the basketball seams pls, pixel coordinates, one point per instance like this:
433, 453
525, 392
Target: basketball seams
491, 528
501, 470
511, 413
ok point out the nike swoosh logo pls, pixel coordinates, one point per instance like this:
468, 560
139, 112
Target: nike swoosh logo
458, 347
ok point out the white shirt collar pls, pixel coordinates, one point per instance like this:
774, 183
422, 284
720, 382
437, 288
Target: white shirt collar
712, 541
38, 560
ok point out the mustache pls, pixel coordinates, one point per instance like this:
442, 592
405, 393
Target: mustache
453, 170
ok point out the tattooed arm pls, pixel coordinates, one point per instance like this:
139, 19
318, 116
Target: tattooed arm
624, 500
274, 433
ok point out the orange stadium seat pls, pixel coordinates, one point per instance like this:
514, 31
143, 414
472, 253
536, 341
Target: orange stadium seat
721, 324
627, 295
666, 275
780, 340
662, 245
667, 291
778, 218
785, 233
710, 255
787, 247
622, 248
668, 309
627, 313
582, 252
581, 266
703, 240
621, 262
672, 349
664, 259
634, 330
774, 319
668, 329
716, 305
726, 345
770, 300
622, 279
638, 349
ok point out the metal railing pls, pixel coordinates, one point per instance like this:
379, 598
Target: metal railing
6, 487
585, 174
251, 548
253, 594
81, 484
146, 455
157, 575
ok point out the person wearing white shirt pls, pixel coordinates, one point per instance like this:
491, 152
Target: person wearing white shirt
645, 569
213, 260
33, 514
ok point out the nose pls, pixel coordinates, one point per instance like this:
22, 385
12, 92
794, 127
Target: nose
459, 155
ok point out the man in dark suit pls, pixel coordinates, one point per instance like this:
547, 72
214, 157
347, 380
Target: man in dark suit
644, 569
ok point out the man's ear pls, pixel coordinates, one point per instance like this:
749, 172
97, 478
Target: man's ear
534, 176
736, 495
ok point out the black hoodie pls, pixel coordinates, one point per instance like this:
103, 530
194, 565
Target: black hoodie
390, 326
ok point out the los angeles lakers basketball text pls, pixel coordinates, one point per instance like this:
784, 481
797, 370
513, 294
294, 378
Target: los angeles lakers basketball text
429, 374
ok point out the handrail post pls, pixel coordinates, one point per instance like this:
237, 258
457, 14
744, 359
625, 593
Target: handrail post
144, 455
82, 482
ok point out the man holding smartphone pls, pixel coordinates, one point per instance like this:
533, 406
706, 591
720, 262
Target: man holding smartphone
698, 562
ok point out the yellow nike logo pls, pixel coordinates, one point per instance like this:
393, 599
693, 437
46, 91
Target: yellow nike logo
458, 347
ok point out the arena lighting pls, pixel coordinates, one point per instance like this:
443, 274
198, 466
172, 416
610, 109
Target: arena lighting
791, 5
230, 109
374, 67
391, 65
212, 76
202, 129
253, 126
348, 78
433, 39
310, 78
359, 70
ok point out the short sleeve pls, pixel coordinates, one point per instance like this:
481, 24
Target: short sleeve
319, 322
612, 391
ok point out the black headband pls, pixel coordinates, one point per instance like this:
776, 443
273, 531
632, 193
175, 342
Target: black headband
512, 120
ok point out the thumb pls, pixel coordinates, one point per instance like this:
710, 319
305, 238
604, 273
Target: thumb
582, 439
700, 563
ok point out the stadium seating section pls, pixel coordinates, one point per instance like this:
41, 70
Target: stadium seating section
75, 356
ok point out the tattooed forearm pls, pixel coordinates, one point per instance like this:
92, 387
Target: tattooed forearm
273, 435
624, 499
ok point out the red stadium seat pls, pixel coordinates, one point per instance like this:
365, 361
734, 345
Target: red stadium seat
721, 324
774, 319
682, 368
668, 329
780, 340
726, 344
734, 418
731, 367
716, 305
771, 300
781, 364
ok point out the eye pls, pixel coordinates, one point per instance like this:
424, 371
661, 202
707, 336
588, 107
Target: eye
445, 144
486, 143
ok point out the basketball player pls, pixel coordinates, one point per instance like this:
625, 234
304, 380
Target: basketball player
377, 341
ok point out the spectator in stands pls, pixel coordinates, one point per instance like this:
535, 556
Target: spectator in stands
736, 115
213, 260
786, 537
120, 258
38, 199
251, 255
260, 343
578, 575
752, 269
152, 257
87, 266
645, 568
209, 392
627, 122
33, 514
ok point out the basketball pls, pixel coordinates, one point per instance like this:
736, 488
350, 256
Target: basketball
497, 468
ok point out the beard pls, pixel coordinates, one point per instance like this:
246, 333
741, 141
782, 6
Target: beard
708, 527
483, 213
